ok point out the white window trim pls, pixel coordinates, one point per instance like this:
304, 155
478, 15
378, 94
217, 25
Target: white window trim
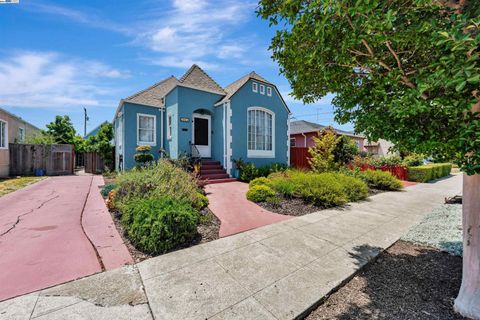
169, 126
6, 135
262, 89
149, 143
254, 87
269, 91
262, 153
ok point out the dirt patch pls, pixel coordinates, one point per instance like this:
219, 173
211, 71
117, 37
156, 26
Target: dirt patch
406, 282
207, 231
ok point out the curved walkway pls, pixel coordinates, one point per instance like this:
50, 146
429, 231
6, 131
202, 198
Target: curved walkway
55, 231
229, 203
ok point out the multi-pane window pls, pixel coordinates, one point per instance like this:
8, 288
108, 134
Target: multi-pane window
146, 129
260, 132
269, 91
3, 135
254, 87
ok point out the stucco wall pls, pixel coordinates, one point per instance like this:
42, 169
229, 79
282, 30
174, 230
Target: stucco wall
130, 112
240, 103
13, 125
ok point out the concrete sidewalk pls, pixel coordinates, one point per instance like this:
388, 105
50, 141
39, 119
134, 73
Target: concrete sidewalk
279, 271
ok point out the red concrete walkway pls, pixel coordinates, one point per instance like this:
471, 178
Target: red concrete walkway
229, 203
55, 231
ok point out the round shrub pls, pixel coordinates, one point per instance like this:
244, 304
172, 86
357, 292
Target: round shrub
262, 181
143, 157
321, 189
260, 193
354, 188
157, 225
382, 180
107, 188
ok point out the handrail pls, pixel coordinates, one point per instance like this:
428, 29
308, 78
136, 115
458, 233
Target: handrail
195, 153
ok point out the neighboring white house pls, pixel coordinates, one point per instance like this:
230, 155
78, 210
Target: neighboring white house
380, 148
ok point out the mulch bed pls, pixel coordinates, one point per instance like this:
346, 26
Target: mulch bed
207, 230
406, 282
290, 207
297, 207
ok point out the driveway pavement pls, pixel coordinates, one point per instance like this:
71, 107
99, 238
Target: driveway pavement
279, 271
55, 231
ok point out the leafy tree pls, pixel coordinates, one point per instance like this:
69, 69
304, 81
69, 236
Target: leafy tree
80, 144
404, 70
101, 143
61, 129
322, 157
345, 150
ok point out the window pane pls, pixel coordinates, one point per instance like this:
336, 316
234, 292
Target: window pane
251, 132
269, 133
146, 122
146, 135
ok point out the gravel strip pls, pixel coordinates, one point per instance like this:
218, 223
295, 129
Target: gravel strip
441, 228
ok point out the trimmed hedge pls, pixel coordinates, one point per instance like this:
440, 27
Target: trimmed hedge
429, 172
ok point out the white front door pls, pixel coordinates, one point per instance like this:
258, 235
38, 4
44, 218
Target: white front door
201, 130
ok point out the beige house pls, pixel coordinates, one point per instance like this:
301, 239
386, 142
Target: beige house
13, 129
380, 148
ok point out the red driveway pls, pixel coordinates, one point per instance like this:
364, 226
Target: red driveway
55, 231
229, 203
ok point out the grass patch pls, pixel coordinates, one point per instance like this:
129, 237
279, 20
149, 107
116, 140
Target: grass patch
12, 184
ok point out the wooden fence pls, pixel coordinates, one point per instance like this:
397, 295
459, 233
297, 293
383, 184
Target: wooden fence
93, 163
299, 157
398, 171
55, 159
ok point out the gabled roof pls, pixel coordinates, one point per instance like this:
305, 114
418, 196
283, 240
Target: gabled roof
232, 88
197, 78
302, 126
154, 95
19, 118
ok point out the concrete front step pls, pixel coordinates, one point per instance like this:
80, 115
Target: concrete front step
212, 171
214, 176
210, 162
221, 180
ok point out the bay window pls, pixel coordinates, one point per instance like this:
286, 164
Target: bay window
261, 133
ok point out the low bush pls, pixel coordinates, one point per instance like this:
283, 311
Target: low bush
260, 193
429, 172
157, 225
382, 180
107, 188
284, 186
200, 201
262, 181
386, 161
413, 160
162, 179
321, 189
354, 188
248, 171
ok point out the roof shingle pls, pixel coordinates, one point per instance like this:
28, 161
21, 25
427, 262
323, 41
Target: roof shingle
153, 96
198, 78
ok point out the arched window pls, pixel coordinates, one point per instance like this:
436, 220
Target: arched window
261, 133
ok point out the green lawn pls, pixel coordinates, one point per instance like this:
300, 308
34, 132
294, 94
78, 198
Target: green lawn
12, 184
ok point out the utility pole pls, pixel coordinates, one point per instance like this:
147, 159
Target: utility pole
85, 122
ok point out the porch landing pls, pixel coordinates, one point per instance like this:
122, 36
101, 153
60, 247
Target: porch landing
229, 203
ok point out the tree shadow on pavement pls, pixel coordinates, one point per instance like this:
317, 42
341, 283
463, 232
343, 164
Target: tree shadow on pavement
405, 282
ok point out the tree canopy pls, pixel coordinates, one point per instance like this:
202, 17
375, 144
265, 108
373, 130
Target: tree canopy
403, 70
62, 130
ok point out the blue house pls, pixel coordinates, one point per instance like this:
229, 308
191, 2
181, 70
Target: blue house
194, 115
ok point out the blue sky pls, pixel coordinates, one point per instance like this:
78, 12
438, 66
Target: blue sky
60, 56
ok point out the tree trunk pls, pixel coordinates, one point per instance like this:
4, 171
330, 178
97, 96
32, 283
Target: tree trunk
468, 300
